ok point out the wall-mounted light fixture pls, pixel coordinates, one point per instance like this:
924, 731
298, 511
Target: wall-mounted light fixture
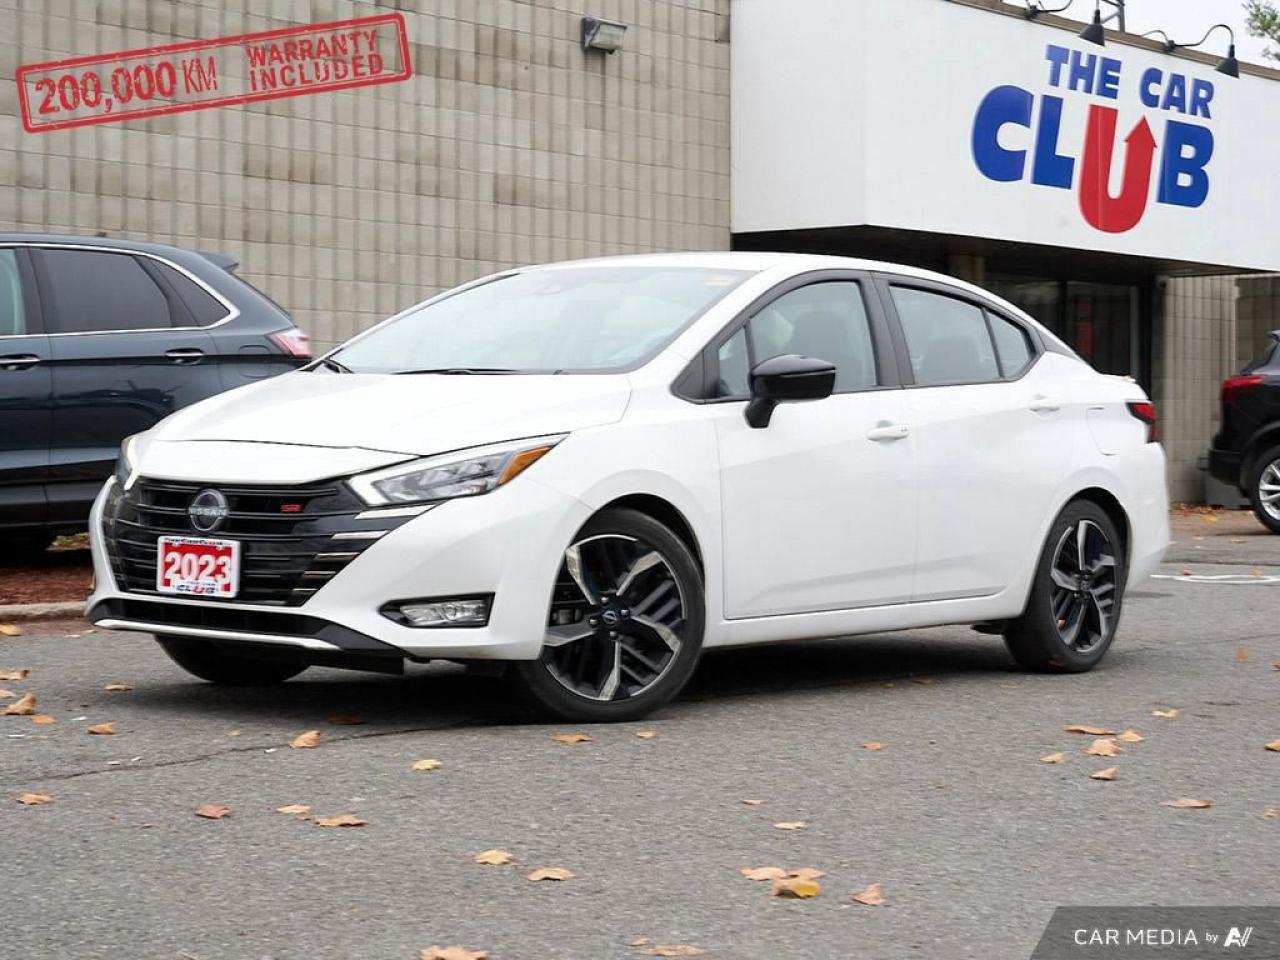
598, 34
1229, 65
1034, 9
1094, 32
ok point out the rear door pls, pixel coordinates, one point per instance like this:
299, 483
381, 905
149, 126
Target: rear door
125, 352
26, 395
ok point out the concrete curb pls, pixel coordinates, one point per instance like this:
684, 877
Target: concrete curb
19, 612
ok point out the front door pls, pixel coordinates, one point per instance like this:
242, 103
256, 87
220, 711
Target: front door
25, 396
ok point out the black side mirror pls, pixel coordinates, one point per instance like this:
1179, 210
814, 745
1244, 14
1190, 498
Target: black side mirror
785, 379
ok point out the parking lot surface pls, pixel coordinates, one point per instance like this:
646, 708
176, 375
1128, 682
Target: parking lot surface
971, 837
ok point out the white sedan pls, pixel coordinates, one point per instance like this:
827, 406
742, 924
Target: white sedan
584, 474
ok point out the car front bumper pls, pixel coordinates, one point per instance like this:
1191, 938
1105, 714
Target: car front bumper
508, 543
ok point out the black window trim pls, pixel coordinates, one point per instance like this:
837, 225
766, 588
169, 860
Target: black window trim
695, 381
885, 282
42, 285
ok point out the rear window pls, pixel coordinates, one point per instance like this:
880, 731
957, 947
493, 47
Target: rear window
204, 308
1263, 359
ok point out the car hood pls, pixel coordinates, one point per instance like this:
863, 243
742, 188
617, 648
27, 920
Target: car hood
408, 414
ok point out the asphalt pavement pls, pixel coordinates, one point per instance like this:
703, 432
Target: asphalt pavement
972, 839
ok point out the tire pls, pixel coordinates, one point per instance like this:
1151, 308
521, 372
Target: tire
1070, 630
1265, 474
206, 660
588, 671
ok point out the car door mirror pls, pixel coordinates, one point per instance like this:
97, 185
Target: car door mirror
785, 379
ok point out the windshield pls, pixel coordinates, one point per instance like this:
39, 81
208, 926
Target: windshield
565, 320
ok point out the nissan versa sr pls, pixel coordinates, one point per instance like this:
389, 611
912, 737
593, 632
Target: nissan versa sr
589, 472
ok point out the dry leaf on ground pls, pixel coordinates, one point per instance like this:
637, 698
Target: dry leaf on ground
452, 953
763, 873
752, 803
806, 873
14, 674
494, 858
646, 734
1170, 714
871, 896
212, 811
1102, 747
22, 708
426, 764
873, 746
9, 630
33, 799
1130, 736
673, 950
1187, 803
550, 873
1107, 774
1274, 746
797, 888
345, 720
1053, 758
233, 733
570, 738
7, 694
924, 681
43, 719
294, 809
1091, 731
117, 687
1271, 815
102, 729
1242, 654
306, 740
342, 820
792, 824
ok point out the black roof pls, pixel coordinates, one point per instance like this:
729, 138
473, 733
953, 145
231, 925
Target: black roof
179, 254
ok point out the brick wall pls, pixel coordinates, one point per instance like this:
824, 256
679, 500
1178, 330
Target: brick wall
509, 145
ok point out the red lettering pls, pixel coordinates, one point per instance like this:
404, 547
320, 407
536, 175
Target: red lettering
1101, 210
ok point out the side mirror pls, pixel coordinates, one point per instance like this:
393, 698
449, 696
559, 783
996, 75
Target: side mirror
786, 379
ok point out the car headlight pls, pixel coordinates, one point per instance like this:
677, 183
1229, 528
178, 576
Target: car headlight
463, 473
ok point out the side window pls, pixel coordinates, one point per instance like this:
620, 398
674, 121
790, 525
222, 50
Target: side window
1013, 346
94, 292
13, 314
947, 338
735, 368
204, 308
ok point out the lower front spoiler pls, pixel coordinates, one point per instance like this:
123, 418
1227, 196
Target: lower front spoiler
259, 633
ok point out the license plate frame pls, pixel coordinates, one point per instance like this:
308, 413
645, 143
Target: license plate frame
198, 580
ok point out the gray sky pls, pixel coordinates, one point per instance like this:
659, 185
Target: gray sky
1184, 20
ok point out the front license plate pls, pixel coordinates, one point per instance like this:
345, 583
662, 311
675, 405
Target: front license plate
198, 566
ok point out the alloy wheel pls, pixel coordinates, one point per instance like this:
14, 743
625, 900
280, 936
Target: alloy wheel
617, 617
1269, 489
1084, 586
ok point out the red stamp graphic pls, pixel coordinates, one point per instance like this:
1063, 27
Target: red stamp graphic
213, 73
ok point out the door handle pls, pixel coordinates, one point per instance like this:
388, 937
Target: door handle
888, 431
19, 361
185, 355
1042, 404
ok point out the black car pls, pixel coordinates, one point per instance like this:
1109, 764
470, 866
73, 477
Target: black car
1246, 451
99, 339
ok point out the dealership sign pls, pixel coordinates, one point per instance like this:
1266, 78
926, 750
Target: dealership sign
1172, 141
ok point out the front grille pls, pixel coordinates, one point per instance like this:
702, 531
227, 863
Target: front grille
292, 539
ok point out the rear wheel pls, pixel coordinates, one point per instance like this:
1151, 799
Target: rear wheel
1074, 607
1264, 489
206, 660
626, 622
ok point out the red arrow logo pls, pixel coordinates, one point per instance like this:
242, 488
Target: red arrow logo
1103, 211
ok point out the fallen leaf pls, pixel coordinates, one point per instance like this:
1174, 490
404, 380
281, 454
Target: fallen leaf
752, 803
638, 942
43, 719
550, 873
1052, 758
797, 888
103, 729
22, 708
452, 953
1130, 736
570, 738
345, 720
806, 873
1185, 573
1208, 518
426, 765
33, 799
294, 809
1271, 815
873, 746
212, 811
924, 681
763, 873
792, 824
496, 858
14, 674
1276, 664
9, 630
1274, 746
1102, 747
1091, 731
1187, 803
233, 733
117, 687
1170, 714
1242, 654
1107, 774
1237, 540
304, 741
342, 820
870, 896
7, 694
646, 734
673, 950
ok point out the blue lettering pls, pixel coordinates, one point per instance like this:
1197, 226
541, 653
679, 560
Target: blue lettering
1183, 180
1051, 169
1152, 77
1003, 105
1058, 57
1201, 97
1175, 95
1080, 75
1109, 79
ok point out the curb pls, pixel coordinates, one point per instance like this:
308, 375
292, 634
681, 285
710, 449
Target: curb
26, 612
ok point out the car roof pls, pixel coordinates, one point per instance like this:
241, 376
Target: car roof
119, 243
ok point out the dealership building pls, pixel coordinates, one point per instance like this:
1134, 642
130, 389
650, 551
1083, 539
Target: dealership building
1126, 197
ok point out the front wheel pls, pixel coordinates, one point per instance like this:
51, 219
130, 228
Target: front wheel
1264, 489
1074, 607
208, 661
626, 622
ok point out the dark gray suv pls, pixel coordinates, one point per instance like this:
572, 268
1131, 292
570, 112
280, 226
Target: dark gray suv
99, 339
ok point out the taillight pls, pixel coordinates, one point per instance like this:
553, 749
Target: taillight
1145, 411
1232, 387
293, 342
